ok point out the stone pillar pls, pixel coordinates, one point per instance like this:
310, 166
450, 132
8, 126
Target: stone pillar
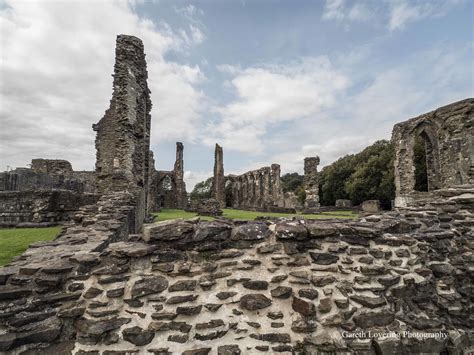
277, 190
178, 172
123, 134
218, 183
310, 183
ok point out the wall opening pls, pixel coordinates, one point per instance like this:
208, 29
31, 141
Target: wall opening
420, 163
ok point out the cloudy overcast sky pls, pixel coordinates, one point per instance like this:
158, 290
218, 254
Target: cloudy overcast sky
270, 81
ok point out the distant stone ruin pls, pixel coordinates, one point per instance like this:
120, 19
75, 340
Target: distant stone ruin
448, 137
46, 193
311, 185
258, 190
218, 181
168, 187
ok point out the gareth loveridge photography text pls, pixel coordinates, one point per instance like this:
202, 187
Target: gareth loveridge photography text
394, 334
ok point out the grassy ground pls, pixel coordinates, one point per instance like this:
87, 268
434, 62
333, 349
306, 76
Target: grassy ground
15, 241
166, 214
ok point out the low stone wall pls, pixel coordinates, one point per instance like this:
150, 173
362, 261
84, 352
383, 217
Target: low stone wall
282, 286
40, 206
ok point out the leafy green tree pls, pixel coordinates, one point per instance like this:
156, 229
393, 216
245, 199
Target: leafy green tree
202, 190
364, 176
291, 182
419, 160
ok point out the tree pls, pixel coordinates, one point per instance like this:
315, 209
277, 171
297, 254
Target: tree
364, 176
202, 190
291, 182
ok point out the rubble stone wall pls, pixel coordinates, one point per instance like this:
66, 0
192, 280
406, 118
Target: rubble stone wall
179, 187
222, 287
39, 207
448, 133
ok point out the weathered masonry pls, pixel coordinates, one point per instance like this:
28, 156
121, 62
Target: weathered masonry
258, 189
123, 134
218, 182
311, 184
168, 189
46, 193
447, 137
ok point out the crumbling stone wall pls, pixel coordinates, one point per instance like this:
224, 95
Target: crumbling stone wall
258, 189
218, 182
40, 207
179, 187
122, 139
123, 134
47, 174
51, 166
220, 287
168, 189
448, 133
311, 184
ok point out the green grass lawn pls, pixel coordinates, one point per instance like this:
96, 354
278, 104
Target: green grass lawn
15, 241
167, 214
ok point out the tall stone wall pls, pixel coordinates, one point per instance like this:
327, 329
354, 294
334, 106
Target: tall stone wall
258, 189
311, 184
123, 134
448, 134
179, 187
218, 182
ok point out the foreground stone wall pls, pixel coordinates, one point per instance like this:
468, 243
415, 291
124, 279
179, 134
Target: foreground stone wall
277, 286
448, 135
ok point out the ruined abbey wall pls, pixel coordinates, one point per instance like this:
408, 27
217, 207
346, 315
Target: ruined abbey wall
311, 185
218, 182
168, 189
123, 134
448, 134
258, 189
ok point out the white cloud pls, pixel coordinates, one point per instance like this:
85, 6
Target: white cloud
193, 177
396, 13
56, 63
341, 10
273, 94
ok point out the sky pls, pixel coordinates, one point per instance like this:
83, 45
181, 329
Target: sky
271, 81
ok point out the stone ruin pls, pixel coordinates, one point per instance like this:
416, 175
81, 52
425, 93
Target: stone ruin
46, 193
311, 185
258, 190
218, 181
109, 285
261, 189
168, 187
448, 137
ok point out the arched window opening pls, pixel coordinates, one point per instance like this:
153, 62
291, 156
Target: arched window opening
419, 161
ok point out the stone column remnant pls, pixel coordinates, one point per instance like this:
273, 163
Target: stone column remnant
218, 183
178, 171
311, 188
123, 134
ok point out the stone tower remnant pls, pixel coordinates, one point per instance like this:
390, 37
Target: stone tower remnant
123, 134
218, 184
310, 183
178, 172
